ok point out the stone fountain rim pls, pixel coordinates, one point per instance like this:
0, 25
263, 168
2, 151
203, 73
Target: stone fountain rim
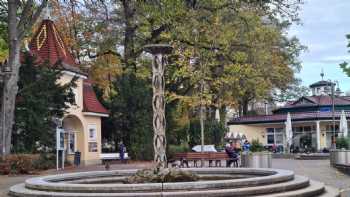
43, 183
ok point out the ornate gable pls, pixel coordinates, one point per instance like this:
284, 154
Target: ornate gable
47, 44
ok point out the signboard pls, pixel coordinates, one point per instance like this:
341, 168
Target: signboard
325, 109
59, 139
59, 148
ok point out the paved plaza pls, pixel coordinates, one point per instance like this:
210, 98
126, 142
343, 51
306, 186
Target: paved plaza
319, 170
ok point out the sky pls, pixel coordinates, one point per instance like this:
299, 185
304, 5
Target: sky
325, 24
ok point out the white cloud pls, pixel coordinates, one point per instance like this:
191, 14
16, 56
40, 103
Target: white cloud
325, 24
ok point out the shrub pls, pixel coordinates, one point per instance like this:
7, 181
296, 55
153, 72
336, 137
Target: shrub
256, 146
45, 162
173, 149
342, 142
5, 168
17, 164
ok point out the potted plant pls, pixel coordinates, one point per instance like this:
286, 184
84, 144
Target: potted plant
340, 155
256, 157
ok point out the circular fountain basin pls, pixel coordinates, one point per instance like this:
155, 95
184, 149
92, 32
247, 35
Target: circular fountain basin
212, 182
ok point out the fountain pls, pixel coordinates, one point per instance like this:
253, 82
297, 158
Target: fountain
210, 182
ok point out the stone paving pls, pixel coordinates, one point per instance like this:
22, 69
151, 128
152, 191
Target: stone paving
7, 181
318, 170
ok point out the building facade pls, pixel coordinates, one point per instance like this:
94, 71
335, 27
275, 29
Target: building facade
312, 120
82, 123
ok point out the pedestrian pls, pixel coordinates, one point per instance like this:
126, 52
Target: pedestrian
246, 146
232, 154
122, 150
274, 148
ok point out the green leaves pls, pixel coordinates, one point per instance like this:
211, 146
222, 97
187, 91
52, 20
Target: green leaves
344, 65
39, 99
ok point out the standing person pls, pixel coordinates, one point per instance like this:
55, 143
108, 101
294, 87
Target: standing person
246, 146
122, 150
274, 148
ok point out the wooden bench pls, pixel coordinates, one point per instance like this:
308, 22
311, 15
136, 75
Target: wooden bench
184, 158
112, 157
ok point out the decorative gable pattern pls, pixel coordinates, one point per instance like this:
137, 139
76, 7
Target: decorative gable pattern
48, 45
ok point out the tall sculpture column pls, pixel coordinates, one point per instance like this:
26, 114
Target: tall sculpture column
158, 102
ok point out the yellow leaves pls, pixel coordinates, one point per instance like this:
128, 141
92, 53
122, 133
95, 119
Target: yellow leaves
104, 70
3, 54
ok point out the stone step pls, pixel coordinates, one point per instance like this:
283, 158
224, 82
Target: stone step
298, 183
315, 189
330, 192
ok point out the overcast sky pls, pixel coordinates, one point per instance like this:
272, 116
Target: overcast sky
324, 26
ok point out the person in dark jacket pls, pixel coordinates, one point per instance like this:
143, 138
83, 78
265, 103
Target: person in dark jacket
122, 150
233, 155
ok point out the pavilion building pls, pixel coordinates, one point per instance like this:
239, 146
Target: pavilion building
82, 122
312, 120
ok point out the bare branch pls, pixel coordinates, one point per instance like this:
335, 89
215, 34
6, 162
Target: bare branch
26, 21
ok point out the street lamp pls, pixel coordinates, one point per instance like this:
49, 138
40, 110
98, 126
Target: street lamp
158, 52
333, 146
202, 107
5, 71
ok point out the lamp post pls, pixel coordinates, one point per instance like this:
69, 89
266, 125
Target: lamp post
158, 52
334, 146
5, 72
202, 107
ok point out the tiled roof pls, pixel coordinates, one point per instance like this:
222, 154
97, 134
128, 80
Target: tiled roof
48, 45
90, 101
300, 116
318, 101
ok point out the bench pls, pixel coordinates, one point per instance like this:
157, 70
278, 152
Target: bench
112, 156
184, 158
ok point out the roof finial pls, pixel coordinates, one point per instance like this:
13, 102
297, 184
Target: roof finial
47, 12
322, 74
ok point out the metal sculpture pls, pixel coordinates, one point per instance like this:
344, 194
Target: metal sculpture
158, 102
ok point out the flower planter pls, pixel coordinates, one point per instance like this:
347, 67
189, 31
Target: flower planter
339, 156
256, 160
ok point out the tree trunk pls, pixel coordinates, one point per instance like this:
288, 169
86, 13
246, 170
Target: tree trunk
245, 104
10, 87
129, 34
9, 99
16, 31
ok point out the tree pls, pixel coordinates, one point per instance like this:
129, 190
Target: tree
3, 32
246, 55
344, 66
40, 99
130, 120
241, 47
21, 17
294, 91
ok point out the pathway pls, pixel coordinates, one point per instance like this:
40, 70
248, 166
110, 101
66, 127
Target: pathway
318, 170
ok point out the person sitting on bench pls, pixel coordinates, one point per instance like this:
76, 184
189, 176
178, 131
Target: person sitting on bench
233, 155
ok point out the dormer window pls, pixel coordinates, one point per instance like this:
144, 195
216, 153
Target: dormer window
321, 88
